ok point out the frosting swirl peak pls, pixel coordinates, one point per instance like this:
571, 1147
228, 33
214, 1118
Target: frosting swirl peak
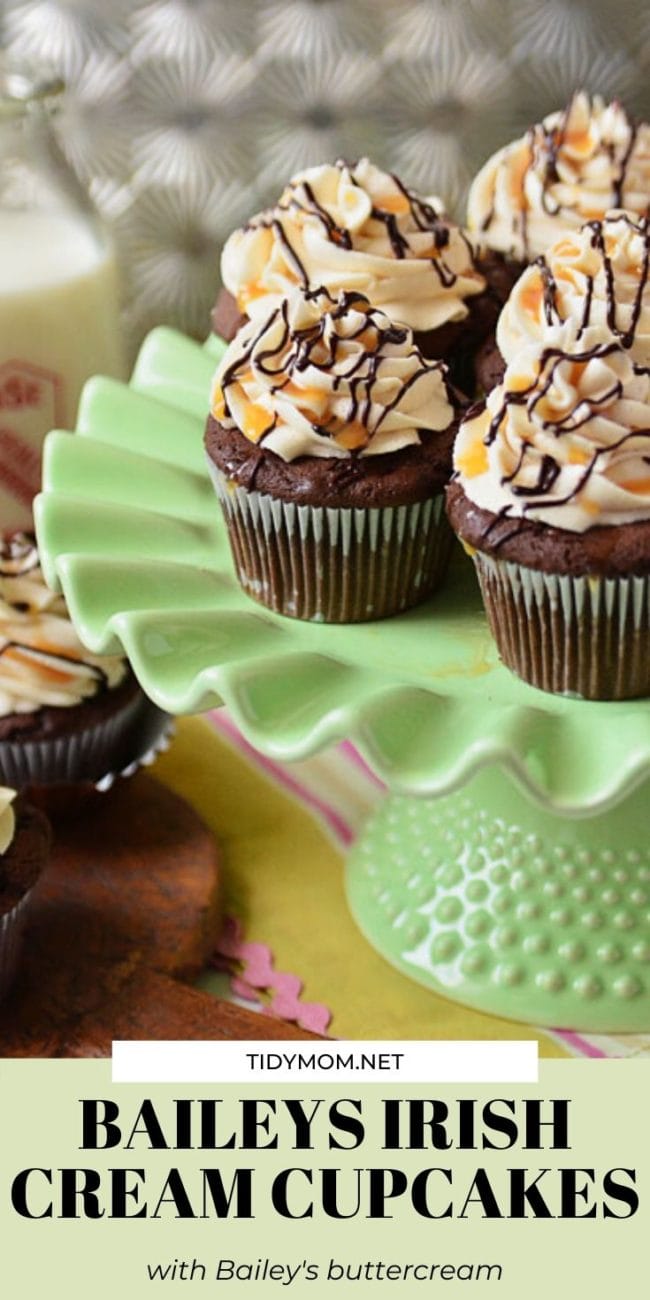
329, 377
570, 168
355, 228
42, 661
565, 439
599, 275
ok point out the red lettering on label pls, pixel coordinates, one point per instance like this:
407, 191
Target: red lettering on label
24, 386
18, 391
32, 403
20, 467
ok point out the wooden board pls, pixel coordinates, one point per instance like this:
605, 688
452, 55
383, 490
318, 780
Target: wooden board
125, 916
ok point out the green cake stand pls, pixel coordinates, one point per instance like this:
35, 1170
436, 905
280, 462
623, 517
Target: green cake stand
509, 866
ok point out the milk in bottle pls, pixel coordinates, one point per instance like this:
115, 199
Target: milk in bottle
59, 300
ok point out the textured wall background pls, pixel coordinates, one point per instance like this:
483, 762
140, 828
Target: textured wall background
184, 116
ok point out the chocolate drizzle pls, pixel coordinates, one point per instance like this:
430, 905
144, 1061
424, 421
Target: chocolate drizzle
317, 346
586, 311
290, 252
545, 144
51, 660
598, 240
19, 561
625, 334
337, 234
299, 199
398, 242
620, 179
531, 396
18, 555
548, 469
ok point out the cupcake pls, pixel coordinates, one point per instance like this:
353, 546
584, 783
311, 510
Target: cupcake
359, 229
65, 714
598, 275
24, 849
572, 167
329, 445
551, 497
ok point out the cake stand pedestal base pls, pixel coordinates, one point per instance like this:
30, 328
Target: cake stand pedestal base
508, 908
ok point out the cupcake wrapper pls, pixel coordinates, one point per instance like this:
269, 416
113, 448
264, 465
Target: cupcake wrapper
334, 566
160, 741
584, 636
12, 925
97, 754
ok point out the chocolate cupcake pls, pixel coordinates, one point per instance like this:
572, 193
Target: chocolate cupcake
359, 229
24, 850
66, 715
598, 275
551, 497
329, 444
572, 167
489, 367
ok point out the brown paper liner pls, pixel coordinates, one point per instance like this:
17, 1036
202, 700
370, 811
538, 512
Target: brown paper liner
587, 636
97, 754
334, 566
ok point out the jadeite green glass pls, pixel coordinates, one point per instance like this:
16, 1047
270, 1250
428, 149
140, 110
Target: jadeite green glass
536, 910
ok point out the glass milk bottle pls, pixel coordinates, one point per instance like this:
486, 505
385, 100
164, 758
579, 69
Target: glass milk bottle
59, 302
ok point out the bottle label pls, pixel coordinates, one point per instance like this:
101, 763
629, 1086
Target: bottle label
31, 403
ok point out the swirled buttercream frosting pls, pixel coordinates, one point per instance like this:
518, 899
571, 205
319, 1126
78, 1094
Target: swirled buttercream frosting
597, 276
7, 817
323, 376
565, 439
572, 167
355, 228
42, 661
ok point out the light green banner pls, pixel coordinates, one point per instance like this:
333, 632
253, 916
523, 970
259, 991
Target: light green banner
412, 1221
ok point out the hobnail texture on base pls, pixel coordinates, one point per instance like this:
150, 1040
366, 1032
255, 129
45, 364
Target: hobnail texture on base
504, 907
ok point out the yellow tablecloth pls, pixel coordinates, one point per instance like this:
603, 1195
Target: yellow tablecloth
284, 833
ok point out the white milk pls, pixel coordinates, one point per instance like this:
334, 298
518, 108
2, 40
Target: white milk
58, 325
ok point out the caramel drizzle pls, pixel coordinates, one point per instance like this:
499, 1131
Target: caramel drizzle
550, 287
295, 353
544, 146
423, 215
598, 241
18, 558
55, 659
18, 555
335, 233
533, 495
